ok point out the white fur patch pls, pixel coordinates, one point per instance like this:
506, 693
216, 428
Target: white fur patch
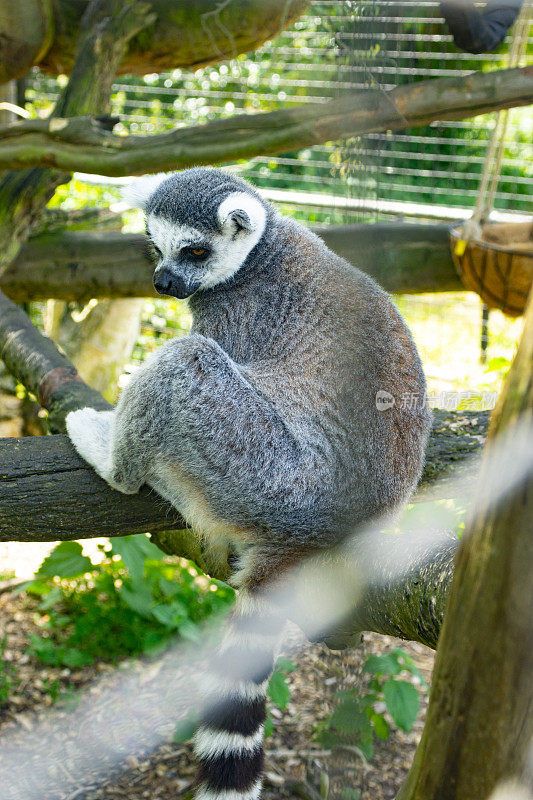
137, 193
253, 793
232, 252
242, 201
171, 236
91, 434
209, 742
215, 687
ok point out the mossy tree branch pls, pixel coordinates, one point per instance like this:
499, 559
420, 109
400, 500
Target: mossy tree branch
188, 34
84, 144
80, 264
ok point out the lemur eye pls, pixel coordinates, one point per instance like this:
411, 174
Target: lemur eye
200, 253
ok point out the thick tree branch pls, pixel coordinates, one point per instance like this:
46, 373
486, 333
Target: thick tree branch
78, 265
188, 34
37, 363
410, 605
84, 144
47, 492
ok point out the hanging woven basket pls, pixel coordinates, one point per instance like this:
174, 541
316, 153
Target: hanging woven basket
498, 264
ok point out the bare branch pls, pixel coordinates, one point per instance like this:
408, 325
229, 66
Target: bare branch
83, 144
79, 265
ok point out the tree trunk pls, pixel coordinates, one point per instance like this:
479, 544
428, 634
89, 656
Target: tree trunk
84, 145
479, 726
106, 29
188, 34
402, 257
100, 343
26, 35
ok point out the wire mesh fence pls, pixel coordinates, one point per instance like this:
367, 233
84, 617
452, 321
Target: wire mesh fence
338, 47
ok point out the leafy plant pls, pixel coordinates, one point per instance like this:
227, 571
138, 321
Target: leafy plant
7, 674
278, 690
130, 603
357, 719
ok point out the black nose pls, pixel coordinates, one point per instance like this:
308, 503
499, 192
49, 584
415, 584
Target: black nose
162, 281
168, 282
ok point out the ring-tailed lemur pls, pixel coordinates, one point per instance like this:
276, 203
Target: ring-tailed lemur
266, 426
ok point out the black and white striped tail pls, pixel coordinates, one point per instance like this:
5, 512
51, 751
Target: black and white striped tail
229, 741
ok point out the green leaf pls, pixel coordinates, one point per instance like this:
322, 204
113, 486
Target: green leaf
269, 726
382, 665
171, 616
402, 703
408, 664
278, 689
185, 729
189, 631
132, 553
350, 794
169, 588
350, 718
139, 599
285, 665
51, 599
366, 746
74, 658
379, 723
65, 561
45, 649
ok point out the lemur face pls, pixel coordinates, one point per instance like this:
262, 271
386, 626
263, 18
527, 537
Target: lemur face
201, 225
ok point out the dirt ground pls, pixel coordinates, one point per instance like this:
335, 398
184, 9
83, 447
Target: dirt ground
296, 765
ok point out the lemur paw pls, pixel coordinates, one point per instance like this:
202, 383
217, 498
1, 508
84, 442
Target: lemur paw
90, 432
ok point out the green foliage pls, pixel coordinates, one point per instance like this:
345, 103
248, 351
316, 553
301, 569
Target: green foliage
402, 703
186, 728
278, 691
356, 719
65, 561
130, 603
7, 674
350, 794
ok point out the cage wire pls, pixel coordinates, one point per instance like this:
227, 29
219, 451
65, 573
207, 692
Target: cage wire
429, 172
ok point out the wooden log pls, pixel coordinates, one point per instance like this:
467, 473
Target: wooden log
401, 257
47, 492
189, 35
84, 145
37, 363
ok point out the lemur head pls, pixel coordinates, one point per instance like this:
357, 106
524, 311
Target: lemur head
202, 224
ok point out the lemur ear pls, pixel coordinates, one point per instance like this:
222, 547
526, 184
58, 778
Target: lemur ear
241, 211
137, 193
